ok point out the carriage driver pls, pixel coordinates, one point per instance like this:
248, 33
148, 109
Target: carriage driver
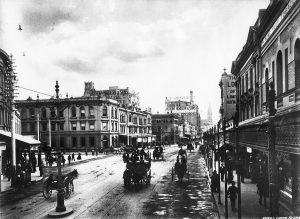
181, 152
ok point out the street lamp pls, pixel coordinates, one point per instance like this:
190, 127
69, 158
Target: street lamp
60, 210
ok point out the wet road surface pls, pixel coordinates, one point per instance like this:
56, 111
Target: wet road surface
99, 193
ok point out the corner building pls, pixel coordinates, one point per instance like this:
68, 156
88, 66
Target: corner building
271, 54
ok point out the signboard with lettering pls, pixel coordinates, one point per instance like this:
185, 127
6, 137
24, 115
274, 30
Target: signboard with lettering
229, 91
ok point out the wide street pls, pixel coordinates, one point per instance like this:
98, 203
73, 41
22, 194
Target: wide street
99, 192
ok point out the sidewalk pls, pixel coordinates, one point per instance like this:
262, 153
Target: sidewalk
35, 177
249, 201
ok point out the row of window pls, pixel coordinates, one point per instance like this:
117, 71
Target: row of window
84, 141
285, 75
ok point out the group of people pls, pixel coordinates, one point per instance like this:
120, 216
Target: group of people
136, 155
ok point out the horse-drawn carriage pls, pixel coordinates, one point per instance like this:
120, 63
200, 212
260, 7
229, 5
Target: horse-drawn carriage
158, 153
180, 168
138, 173
51, 182
190, 147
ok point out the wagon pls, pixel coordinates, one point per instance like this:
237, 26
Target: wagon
180, 169
158, 153
137, 173
51, 183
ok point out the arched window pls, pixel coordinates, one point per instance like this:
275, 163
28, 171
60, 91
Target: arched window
52, 112
73, 111
112, 112
82, 111
104, 111
297, 63
279, 73
44, 113
23, 114
91, 111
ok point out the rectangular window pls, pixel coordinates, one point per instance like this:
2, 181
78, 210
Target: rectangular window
82, 140
116, 126
74, 142
92, 126
74, 126
61, 126
82, 125
112, 126
92, 141
53, 126
44, 127
104, 126
32, 127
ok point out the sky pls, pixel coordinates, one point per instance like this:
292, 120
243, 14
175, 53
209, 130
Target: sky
158, 48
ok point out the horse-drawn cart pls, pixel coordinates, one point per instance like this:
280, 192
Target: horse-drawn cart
137, 173
180, 168
51, 180
158, 153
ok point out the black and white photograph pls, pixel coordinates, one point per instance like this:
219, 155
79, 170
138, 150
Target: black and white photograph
142, 109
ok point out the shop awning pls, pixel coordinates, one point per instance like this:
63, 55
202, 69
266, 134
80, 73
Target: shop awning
22, 138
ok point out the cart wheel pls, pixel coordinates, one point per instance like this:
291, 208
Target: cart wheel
67, 190
47, 191
172, 174
149, 178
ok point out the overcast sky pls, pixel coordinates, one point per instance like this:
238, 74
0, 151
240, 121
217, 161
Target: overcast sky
159, 48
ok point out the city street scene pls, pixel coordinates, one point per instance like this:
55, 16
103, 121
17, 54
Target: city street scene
150, 109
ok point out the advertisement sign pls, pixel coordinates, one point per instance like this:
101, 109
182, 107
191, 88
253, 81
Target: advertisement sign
229, 97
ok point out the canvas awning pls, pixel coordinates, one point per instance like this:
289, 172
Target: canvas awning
22, 138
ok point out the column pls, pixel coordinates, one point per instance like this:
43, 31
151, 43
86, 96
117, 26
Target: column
296, 183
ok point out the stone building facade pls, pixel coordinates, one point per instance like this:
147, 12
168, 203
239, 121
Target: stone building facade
271, 55
83, 123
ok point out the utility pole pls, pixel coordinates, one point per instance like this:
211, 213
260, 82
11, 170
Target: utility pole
10, 88
238, 152
226, 165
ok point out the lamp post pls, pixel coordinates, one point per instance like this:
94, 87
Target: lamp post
226, 165
60, 210
219, 161
272, 153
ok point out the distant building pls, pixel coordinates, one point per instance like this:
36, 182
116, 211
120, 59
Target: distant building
126, 98
166, 128
186, 108
207, 123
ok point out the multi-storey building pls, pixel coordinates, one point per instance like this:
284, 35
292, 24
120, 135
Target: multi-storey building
125, 97
185, 107
271, 56
84, 123
166, 128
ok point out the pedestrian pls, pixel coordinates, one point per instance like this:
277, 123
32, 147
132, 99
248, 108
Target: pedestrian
63, 160
222, 171
262, 187
73, 157
214, 181
79, 156
232, 191
86, 153
69, 159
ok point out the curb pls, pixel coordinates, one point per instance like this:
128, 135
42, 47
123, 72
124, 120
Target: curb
71, 164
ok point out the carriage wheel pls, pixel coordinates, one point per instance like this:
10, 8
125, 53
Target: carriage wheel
149, 178
47, 191
67, 190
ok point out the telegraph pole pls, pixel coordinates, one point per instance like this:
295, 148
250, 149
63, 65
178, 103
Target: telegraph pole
272, 153
219, 161
11, 83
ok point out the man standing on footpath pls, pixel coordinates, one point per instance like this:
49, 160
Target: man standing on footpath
232, 191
